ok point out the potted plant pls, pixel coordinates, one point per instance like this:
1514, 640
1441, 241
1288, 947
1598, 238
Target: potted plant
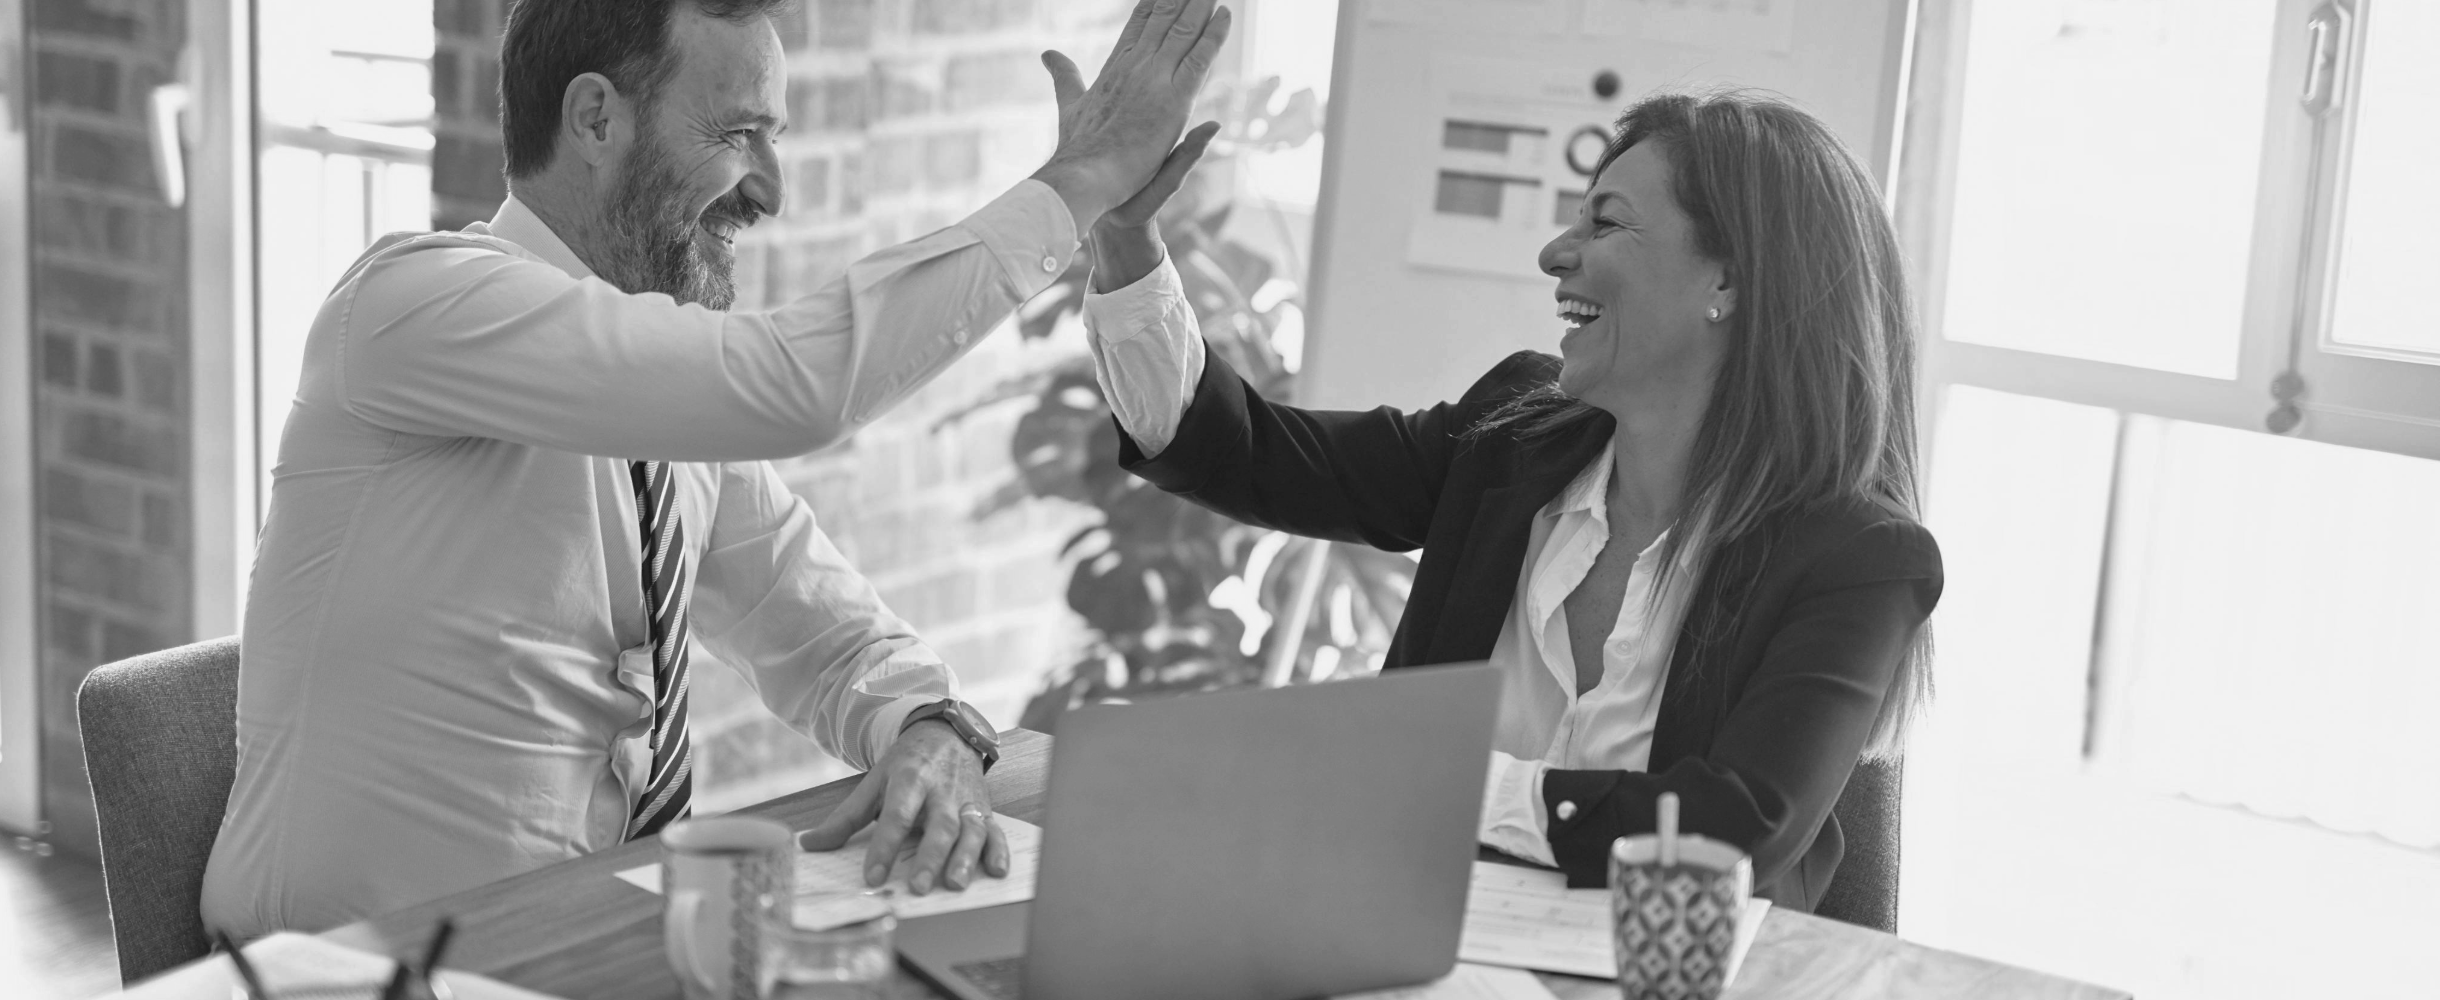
1179, 599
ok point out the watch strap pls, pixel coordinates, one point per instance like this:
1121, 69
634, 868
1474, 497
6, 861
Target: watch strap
962, 719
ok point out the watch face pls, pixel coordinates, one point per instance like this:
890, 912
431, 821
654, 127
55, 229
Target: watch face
977, 727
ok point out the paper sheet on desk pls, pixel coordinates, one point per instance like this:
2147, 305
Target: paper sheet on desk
1467, 982
842, 870
1528, 918
297, 962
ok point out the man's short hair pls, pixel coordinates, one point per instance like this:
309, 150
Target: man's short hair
551, 42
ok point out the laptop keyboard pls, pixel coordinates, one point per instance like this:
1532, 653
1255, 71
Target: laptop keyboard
1003, 978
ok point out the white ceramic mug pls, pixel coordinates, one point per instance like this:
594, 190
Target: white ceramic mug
720, 879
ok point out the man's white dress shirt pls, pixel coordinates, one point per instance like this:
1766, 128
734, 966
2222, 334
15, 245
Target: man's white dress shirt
445, 676
1148, 352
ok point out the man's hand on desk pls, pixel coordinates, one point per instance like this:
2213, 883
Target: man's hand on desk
929, 784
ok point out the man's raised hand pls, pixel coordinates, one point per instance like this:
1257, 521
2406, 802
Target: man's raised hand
1115, 134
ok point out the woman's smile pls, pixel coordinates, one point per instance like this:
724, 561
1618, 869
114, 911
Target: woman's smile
1578, 312
1581, 315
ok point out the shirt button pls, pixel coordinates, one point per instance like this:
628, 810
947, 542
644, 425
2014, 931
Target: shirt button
958, 338
1050, 264
1566, 811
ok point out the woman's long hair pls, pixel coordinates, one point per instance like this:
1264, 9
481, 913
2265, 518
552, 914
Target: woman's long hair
1814, 402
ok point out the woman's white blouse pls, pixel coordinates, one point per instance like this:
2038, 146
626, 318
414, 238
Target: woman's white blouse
1148, 352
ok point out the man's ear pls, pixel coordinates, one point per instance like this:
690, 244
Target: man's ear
594, 119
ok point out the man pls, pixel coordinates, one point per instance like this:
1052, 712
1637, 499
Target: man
523, 478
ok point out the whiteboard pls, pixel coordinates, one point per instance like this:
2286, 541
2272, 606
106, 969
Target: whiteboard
1447, 162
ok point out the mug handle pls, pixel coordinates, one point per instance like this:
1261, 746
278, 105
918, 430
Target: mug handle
678, 937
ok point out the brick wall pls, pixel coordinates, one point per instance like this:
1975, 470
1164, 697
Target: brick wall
109, 300
466, 158
906, 114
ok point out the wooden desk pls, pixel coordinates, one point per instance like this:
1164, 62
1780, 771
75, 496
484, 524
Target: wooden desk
573, 930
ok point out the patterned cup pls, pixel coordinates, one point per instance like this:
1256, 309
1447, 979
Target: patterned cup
722, 879
1676, 923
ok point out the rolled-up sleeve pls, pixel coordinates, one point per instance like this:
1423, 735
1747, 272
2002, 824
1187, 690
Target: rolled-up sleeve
1148, 354
445, 335
1512, 809
774, 597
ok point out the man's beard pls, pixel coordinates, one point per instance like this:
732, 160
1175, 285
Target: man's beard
656, 246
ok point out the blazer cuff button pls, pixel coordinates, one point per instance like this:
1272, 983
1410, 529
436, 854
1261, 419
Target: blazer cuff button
1565, 812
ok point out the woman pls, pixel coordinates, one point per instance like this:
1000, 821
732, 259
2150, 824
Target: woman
1689, 543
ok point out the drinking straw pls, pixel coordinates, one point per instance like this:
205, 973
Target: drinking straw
1668, 831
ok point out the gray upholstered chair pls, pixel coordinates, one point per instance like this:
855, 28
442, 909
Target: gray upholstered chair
1865, 889
161, 750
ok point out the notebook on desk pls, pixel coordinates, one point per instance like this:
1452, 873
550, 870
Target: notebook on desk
1252, 845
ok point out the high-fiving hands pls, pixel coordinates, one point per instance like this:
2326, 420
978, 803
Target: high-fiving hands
1119, 158
1118, 138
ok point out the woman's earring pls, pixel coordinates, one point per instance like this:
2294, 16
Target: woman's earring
1713, 315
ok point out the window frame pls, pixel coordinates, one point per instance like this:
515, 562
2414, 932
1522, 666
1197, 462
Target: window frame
20, 618
221, 296
2353, 396
2383, 398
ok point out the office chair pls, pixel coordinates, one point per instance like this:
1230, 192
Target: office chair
1865, 889
160, 736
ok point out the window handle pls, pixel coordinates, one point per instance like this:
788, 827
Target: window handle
168, 108
2323, 81
168, 103
2330, 38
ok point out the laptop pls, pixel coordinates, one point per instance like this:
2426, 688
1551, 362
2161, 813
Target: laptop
1242, 845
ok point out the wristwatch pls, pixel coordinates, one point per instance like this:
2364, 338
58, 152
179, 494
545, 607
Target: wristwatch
968, 723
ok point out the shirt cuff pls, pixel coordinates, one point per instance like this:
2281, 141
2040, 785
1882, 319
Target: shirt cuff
1155, 301
1147, 354
1512, 809
1030, 231
888, 720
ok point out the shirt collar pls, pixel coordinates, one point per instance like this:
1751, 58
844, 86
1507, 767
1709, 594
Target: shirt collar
519, 225
1589, 491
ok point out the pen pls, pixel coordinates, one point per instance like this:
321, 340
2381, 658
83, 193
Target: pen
440, 944
245, 969
396, 989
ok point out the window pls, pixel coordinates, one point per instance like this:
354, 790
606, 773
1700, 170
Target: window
2271, 607
2095, 224
345, 125
2386, 258
2184, 392
2210, 210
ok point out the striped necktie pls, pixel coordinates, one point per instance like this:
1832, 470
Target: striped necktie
667, 581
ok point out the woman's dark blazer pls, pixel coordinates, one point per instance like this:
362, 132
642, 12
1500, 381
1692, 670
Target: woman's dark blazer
1790, 643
